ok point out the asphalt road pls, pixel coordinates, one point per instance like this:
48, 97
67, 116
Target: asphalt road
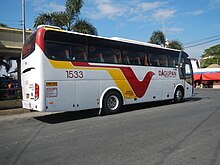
170, 134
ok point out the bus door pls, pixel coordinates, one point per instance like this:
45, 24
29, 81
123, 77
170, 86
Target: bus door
188, 77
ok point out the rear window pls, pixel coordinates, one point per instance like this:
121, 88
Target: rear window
28, 46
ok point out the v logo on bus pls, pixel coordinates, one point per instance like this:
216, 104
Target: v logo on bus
139, 87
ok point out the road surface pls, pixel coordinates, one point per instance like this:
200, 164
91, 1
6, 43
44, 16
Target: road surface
170, 134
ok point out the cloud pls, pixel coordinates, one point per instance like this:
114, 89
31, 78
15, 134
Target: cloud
195, 13
135, 10
216, 25
106, 8
46, 6
163, 14
55, 7
147, 6
174, 30
214, 4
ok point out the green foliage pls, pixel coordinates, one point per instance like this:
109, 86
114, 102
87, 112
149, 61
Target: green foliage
158, 38
207, 62
67, 19
84, 26
211, 55
7, 64
3, 25
175, 44
212, 51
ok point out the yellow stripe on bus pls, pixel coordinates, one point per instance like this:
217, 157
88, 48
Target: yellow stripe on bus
115, 73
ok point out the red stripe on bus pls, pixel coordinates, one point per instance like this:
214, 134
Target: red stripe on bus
139, 87
40, 38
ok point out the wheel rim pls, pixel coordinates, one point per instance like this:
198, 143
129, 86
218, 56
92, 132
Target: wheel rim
179, 95
113, 102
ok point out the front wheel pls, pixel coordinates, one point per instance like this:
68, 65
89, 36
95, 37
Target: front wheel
178, 96
112, 103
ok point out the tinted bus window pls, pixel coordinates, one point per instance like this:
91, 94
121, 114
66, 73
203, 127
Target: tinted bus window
134, 55
63, 37
153, 59
68, 47
28, 46
78, 53
57, 51
173, 58
163, 58
104, 51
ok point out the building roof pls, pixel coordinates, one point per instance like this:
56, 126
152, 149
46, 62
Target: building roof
213, 66
11, 42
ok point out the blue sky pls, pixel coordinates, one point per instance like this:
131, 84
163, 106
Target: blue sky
185, 20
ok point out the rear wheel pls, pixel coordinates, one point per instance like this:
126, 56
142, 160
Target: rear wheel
178, 96
112, 102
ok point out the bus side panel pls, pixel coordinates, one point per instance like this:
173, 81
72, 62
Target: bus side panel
170, 80
61, 97
87, 94
188, 88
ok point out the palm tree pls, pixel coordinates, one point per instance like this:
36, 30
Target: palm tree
158, 38
3, 25
175, 44
7, 64
84, 26
69, 19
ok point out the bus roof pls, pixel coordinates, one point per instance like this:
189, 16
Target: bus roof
48, 27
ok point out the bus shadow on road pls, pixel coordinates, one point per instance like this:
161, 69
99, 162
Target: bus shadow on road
79, 115
67, 116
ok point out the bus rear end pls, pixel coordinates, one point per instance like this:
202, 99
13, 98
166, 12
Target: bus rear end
31, 76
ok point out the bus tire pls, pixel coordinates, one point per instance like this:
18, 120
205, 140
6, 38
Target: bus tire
178, 95
112, 102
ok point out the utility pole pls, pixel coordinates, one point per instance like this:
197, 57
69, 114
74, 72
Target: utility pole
23, 20
24, 38
163, 26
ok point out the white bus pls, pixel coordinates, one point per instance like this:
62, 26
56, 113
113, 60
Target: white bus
68, 71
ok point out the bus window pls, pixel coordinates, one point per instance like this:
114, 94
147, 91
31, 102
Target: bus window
28, 46
57, 51
95, 54
163, 61
154, 60
134, 57
173, 60
78, 53
104, 51
107, 55
145, 60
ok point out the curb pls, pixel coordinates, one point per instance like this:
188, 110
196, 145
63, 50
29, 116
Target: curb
10, 104
13, 111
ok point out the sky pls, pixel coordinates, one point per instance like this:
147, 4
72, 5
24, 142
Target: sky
189, 21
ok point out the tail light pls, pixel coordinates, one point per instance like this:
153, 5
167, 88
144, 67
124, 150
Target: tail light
37, 90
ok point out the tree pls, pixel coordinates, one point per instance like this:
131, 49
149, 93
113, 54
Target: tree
7, 64
158, 38
69, 19
175, 44
212, 51
3, 25
211, 56
84, 26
